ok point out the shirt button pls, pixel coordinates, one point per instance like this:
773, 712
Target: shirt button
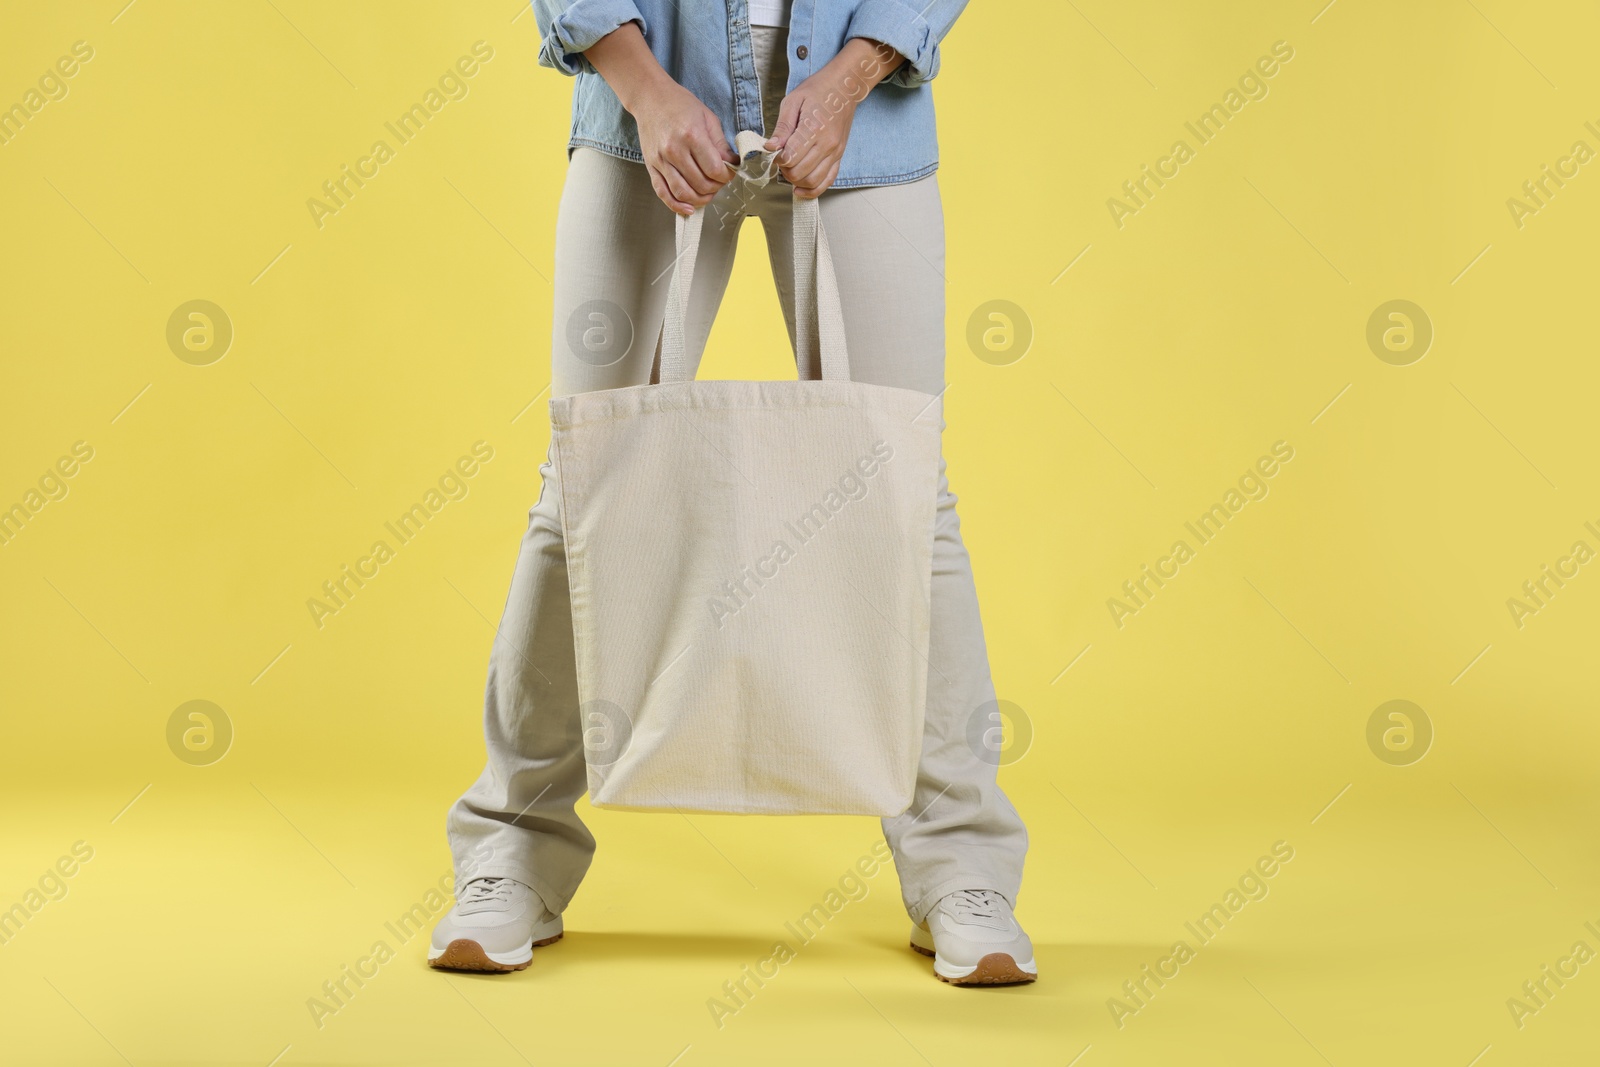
802, 52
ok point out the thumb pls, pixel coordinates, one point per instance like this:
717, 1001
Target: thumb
788, 119
719, 140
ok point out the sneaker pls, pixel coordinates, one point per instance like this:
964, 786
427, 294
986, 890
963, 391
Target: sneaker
494, 927
975, 940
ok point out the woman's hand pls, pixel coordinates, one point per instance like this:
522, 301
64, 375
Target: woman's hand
683, 146
814, 120
688, 158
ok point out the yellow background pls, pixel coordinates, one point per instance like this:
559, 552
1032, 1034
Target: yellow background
1225, 716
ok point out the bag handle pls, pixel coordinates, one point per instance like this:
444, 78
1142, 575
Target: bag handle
816, 286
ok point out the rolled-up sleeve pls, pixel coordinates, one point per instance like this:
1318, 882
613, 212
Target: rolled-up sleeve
912, 30
569, 28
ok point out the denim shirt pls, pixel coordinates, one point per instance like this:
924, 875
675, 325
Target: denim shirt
705, 46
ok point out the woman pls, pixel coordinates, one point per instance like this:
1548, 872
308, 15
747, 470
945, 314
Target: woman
841, 88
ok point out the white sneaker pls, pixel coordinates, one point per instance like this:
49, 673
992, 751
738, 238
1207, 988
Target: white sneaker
494, 927
975, 940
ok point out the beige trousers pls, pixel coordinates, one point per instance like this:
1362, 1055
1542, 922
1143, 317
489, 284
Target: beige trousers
613, 264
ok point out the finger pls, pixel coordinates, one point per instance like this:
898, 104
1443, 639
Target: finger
809, 131
710, 161
814, 158
812, 175
788, 118
681, 159
813, 189
664, 194
794, 146
828, 178
804, 149
718, 142
681, 185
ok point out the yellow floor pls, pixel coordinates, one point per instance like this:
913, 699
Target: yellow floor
208, 919
1362, 313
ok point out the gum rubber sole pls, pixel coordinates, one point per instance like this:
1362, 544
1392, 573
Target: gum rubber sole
997, 968
464, 954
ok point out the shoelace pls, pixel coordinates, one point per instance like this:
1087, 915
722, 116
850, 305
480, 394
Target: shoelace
980, 907
481, 893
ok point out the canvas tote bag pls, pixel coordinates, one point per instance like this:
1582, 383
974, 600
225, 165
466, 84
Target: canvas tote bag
749, 566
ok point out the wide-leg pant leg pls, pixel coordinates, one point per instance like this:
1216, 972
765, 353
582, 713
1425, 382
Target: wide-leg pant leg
613, 262
961, 831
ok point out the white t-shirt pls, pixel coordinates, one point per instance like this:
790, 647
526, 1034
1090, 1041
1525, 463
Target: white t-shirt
770, 12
